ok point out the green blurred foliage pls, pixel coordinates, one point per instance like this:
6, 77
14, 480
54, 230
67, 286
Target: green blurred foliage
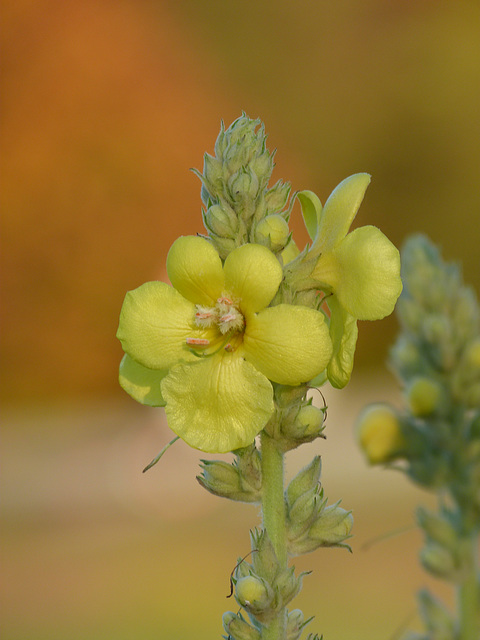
107, 105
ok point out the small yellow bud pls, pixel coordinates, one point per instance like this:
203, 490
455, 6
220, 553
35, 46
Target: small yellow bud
423, 396
252, 593
379, 433
272, 232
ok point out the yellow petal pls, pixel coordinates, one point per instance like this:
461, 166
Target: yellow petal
340, 210
217, 404
195, 270
141, 383
288, 344
311, 211
253, 275
369, 280
344, 333
155, 322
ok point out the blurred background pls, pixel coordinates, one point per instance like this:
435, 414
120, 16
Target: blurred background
106, 106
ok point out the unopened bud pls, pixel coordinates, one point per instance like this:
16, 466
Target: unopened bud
243, 185
212, 174
288, 584
439, 561
276, 197
333, 526
436, 617
305, 480
437, 528
295, 624
310, 419
272, 232
220, 219
224, 480
264, 559
379, 434
238, 629
423, 396
254, 594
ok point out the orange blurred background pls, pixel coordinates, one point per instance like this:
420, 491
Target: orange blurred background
106, 106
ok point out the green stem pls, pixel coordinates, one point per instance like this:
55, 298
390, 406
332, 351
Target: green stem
274, 519
469, 598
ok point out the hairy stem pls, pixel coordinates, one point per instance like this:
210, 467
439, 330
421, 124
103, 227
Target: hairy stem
274, 518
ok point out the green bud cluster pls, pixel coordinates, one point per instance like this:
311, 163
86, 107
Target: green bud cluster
444, 552
263, 587
240, 481
295, 420
310, 522
239, 206
437, 358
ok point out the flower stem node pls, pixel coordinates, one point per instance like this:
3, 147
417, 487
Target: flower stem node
238, 628
379, 434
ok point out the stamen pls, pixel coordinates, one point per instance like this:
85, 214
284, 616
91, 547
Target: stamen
203, 316
228, 317
198, 342
224, 300
229, 348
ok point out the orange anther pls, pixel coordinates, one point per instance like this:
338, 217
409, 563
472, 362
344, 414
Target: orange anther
198, 342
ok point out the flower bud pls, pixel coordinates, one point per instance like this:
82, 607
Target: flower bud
220, 219
212, 175
243, 185
295, 624
276, 198
288, 585
264, 560
437, 528
254, 594
305, 480
439, 561
262, 166
272, 232
379, 434
304, 512
310, 419
238, 629
333, 526
224, 480
423, 396
436, 617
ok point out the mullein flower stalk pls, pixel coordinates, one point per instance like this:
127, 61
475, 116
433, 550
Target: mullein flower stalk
435, 438
249, 325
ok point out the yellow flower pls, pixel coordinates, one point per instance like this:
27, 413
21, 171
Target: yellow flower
207, 347
359, 271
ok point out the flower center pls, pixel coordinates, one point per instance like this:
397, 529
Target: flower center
225, 315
